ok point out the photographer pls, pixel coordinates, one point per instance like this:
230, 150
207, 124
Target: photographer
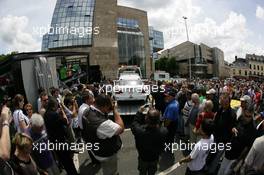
150, 140
56, 123
99, 129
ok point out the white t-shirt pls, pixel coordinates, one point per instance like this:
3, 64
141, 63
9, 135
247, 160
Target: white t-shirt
239, 113
81, 110
200, 153
255, 157
107, 129
19, 116
39, 104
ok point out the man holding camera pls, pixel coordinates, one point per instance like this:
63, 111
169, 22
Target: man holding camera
150, 139
99, 129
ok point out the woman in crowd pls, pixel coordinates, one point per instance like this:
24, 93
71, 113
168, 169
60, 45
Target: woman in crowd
21, 121
29, 110
206, 113
22, 162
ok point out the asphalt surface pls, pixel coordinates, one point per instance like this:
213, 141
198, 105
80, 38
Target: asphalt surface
127, 158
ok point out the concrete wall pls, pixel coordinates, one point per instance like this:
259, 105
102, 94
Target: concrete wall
182, 52
105, 48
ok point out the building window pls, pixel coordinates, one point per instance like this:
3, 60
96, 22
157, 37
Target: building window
258, 67
250, 66
254, 73
250, 73
254, 67
234, 71
262, 68
239, 72
245, 73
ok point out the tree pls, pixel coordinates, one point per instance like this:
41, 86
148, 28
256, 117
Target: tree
161, 64
7, 56
169, 65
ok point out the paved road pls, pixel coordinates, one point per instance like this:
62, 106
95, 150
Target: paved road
127, 163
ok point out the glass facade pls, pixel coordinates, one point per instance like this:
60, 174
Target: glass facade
158, 42
71, 25
127, 23
131, 44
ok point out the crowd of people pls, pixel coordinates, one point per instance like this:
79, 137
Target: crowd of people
196, 112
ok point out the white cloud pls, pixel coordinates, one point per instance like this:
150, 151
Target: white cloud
14, 36
260, 12
167, 17
231, 35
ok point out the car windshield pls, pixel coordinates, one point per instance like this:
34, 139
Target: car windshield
130, 82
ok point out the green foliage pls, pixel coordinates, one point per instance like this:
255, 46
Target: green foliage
169, 65
7, 56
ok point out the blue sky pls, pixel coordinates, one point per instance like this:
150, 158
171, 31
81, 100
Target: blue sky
231, 25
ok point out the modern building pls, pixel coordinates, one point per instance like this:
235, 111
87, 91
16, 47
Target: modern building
113, 35
206, 62
156, 42
250, 67
225, 70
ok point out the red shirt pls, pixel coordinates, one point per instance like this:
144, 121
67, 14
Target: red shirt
257, 97
201, 116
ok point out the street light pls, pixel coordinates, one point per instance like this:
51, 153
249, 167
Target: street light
186, 28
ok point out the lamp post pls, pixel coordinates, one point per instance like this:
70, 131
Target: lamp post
186, 28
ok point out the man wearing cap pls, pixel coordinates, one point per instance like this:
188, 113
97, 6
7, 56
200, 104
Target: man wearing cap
210, 95
171, 114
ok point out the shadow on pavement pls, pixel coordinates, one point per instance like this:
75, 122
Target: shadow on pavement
166, 161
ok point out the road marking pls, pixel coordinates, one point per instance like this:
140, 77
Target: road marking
171, 169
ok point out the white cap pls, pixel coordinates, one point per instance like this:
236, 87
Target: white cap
211, 91
246, 98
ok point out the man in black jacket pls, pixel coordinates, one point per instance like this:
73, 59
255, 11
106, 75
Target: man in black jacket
150, 140
225, 121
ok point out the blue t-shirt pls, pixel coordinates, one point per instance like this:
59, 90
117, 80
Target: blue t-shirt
172, 111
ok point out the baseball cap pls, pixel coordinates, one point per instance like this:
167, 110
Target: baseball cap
246, 98
170, 92
262, 115
211, 91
